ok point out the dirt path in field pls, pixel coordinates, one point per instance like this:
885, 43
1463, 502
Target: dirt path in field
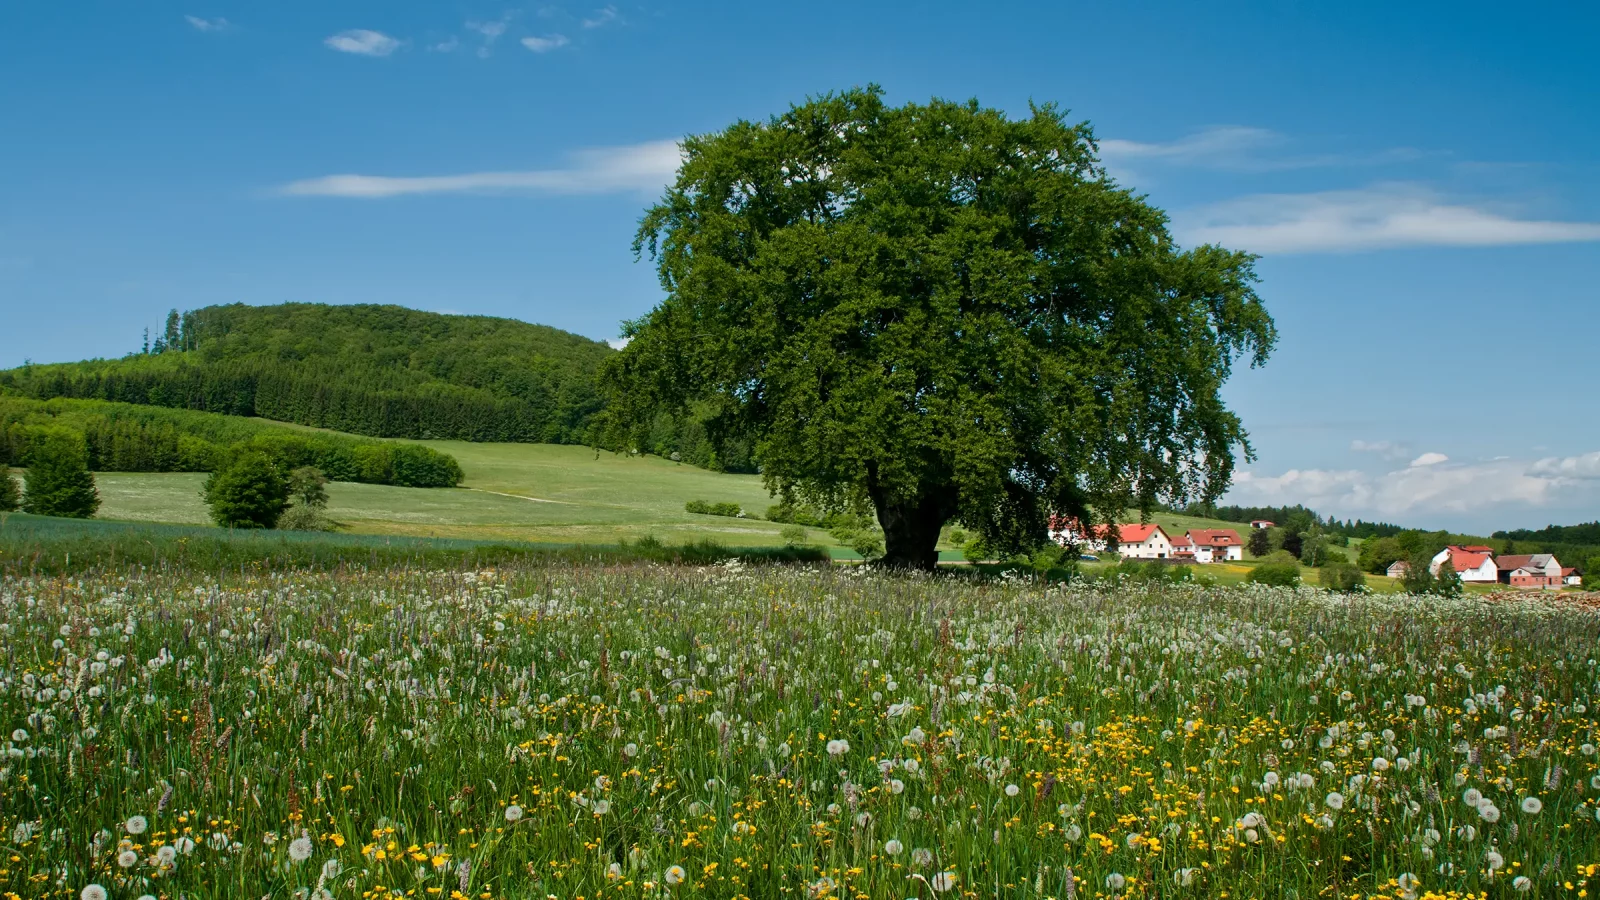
521, 497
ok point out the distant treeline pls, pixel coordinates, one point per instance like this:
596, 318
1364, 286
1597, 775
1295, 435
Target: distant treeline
123, 437
1355, 528
1586, 533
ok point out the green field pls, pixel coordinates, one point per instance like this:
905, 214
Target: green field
523, 492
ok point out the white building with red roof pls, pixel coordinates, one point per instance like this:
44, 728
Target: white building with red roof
1216, 544
1475, 565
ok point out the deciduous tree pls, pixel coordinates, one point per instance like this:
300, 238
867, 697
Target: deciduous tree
942, 313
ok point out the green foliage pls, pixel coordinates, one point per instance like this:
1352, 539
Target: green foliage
383, 371
914, 306
1260, 542
249, 493
122, 437
299, 517
1280, 568
1319, 550
1342, 576
1591, 574
1378, 554
701, 507
309, 487
59, 481
793, 535
1418, 579
1448, 582
1585, 533
10, 491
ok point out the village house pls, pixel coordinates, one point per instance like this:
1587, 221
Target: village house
1258, 524
1133, 541
1475, 565
1216, 544
1533, 570
1571, 577
1398, 569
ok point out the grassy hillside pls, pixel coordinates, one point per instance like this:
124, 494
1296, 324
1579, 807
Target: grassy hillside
524, 492
383, 371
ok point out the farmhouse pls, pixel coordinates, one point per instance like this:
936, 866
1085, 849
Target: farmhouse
1216, 544
1571, 577
1535, 570
1143, 542
1398, 569
1259, 524
1475, 565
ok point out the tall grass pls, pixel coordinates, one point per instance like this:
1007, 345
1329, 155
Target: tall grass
534, 730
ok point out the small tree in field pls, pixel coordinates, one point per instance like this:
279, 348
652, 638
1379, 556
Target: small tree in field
1260, 542
10, 494
248, 493
942, 313
1448, 582
59, 480
309, 487
1417, 579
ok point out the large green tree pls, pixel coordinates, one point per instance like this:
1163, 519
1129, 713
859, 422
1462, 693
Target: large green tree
941, 312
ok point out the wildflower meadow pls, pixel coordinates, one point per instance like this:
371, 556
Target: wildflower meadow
644, 731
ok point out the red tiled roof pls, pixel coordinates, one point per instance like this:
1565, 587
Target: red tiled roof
1215, 537
1509, 563
1136, 534
1478, 549
1462, 559
1182, 543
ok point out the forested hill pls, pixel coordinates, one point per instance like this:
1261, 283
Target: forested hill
384, 371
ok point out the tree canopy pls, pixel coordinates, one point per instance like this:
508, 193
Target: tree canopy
943, 312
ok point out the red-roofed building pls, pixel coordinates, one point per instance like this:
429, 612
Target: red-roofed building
1183, 548
1133, 541
1474, 565
1570, 577
1216, 544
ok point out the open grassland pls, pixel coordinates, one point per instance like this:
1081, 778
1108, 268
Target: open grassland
528, 492
530, 732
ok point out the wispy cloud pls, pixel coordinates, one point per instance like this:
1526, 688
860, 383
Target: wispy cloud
602, 17
209, 25
362, 42
642, 168
1237, 148
1385, 449
448, 45
1375, 218
545, 43
1429, 459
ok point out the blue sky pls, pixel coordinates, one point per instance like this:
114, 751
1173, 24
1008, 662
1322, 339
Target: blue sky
1421, 179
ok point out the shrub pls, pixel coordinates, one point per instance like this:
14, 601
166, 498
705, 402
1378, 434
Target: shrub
1281, 574
59, 480
1342, 576
250, 493
701, 507
795, 515
793, 535
1417, 580
10, 494
300, 517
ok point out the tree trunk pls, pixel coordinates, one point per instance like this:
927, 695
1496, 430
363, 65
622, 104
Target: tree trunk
911, 527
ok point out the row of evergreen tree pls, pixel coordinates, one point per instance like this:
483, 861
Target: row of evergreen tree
127, 438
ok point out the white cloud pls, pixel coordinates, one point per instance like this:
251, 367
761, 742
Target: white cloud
643, 167
1378, 217
546, 43
448, 45
209, 25
602, 17
1584, 466
1430, 487
619, 343
363, 42
489, 30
